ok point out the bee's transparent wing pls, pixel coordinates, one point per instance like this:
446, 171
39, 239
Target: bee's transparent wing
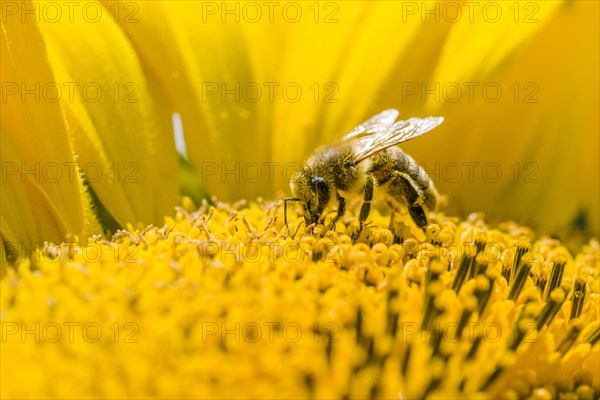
375, 125
373, 142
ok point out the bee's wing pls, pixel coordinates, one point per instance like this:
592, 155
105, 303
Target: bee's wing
375, 141
374, 125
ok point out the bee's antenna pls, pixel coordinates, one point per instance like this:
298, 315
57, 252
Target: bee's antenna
285, 207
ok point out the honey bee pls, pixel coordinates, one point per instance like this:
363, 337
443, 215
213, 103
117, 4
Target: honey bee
364, 158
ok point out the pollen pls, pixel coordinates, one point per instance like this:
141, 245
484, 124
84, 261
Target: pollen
225, 301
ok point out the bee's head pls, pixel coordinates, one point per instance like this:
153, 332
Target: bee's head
314, 192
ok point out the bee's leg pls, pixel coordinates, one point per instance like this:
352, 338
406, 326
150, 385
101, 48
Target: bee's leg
340, 212
341, 209
392, 214
414, 199
366, 207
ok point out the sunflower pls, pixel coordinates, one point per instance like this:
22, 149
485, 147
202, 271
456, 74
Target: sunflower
99, 279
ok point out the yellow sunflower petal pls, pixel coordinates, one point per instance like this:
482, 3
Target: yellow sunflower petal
123, 138
530, 152
486, 35
43, 197
194, 65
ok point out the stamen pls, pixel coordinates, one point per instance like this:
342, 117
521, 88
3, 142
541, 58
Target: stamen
556, 275
519, 281
567, 341
594, 337
557, 298
578, 297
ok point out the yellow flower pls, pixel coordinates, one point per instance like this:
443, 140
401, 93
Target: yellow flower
223, 303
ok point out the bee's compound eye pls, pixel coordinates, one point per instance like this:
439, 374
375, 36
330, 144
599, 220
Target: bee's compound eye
348, 164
